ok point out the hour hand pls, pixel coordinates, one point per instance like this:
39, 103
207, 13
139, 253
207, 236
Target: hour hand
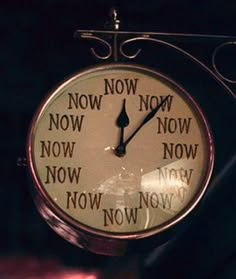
121, 148
146, 119
122, 122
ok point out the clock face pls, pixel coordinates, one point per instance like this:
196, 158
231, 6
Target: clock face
120, 150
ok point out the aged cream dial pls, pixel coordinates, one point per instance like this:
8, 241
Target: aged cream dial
120, 151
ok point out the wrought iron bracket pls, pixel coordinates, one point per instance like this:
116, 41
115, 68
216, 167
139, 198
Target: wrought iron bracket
112, 44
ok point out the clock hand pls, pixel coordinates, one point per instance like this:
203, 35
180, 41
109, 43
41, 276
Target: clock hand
122, 122
121, 148
147, 118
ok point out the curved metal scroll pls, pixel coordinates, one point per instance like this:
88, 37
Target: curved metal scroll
103, 42
116, 41
214, 64
125, 43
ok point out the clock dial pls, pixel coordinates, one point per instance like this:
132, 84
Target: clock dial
119, 150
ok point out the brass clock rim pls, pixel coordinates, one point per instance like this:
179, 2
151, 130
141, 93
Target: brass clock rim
77, 225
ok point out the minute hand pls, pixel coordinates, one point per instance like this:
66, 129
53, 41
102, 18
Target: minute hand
147, 118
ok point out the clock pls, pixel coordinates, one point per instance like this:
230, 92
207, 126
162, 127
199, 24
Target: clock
118, 153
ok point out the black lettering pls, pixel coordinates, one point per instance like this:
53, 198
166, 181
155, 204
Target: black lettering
155, 200
131, 85
57, 149
95, 200
172, 125
167, 104
143, 102
168, 150
109, 86
166, 200
64, 122
143, 198
191, 150
119, 217
83, 101
120, 86
95, 101
83, 200
55, 174
148, 102
131, 215
71, 199
108, 217
51, 174
76, 122
185, 175
179, 151
184, 125
61, 174
171, 175
53, 121
45, 149
74, 175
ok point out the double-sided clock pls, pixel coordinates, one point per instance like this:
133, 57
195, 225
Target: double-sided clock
118, 152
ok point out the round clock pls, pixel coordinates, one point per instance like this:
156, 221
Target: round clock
118, 153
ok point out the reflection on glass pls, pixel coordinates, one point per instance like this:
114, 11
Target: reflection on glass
148, 199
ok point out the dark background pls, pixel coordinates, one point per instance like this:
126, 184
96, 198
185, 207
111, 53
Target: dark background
37, 50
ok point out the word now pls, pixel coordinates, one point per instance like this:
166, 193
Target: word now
82, 101
83, 200
179, 150
172, 125
155, 200
117, 216
55, 174
172, 176
149, 102
65, 122
57, 149
120, 86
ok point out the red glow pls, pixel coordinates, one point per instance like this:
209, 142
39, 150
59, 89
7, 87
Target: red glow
32, 268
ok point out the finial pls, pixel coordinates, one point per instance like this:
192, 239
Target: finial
114, 23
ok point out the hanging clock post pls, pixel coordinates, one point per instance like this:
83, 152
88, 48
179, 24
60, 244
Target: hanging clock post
119, 153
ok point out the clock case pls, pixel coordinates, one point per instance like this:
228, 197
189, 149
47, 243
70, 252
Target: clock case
205, 84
